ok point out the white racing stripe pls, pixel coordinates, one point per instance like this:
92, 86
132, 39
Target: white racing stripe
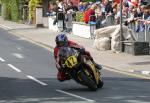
2, 60
75, 95
36, 80
14, 68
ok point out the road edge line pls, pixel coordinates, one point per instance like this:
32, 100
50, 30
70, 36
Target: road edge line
74, 95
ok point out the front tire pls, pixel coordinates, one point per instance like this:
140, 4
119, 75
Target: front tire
88, 81
100, 84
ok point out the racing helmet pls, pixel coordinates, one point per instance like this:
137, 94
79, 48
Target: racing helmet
61, 40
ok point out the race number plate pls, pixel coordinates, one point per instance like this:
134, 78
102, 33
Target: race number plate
71, 61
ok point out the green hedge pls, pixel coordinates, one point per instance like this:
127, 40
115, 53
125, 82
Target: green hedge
5, 12
10, 9
14, 10
0, 8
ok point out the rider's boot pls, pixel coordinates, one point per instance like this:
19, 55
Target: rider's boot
99, 67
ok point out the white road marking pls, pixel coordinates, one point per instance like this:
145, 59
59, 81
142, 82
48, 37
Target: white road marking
74, 95
5, 27
14, 68
20, 56
2, 60
146, 72
131, 70
19, 48
21, 38
135, 101
36, 80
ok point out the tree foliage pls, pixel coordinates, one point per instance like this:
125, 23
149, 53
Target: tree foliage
79, 16
11, 9
32, 7
6, 9
14, 10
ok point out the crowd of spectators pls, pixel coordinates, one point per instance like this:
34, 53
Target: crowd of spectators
62, 7
98, 11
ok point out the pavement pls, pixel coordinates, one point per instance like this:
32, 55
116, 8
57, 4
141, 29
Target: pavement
122, 62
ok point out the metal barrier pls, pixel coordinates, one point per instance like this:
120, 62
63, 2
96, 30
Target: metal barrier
147, 33
141, 31
132, 26
65, 21
92, 24
61, 20
70, 17
110, 20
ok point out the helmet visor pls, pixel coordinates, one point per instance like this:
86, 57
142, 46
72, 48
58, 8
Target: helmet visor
61, 43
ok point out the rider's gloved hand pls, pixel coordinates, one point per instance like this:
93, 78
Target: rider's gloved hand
82, 50
62, 69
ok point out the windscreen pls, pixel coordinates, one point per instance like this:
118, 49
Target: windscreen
65, 52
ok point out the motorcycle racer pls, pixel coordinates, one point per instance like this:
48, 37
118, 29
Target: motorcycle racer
62, 40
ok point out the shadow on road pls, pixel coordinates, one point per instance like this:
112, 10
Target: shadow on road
14, 90
116, 90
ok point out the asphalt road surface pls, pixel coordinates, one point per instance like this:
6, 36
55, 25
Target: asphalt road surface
28, 75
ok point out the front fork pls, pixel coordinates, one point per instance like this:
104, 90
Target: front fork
95, 71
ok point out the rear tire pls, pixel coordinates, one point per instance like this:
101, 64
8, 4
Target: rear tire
88, 82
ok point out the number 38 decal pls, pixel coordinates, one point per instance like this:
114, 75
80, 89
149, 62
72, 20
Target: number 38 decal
71, 61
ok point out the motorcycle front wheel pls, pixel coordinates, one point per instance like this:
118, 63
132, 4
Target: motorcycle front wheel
88, 81
100, 84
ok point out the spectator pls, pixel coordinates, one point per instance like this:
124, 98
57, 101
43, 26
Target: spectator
103, 5
117, 15
72, 7
90, 14
86, 15
144, 20
55, 11
81, 7
144, 2
59, 9
146, 14
50, 7
108, 7
139, 11
98, 14
133, 16
61, 5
